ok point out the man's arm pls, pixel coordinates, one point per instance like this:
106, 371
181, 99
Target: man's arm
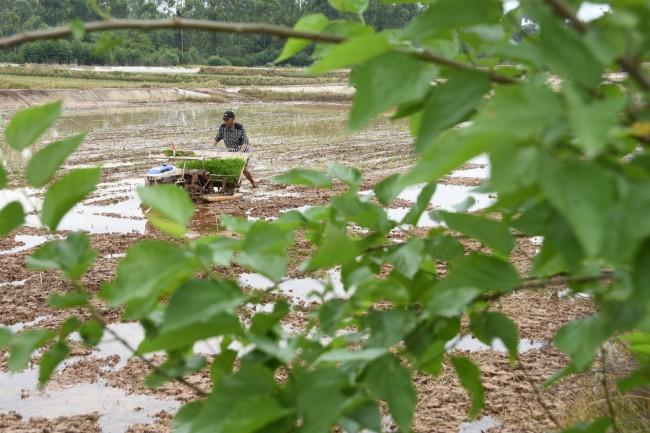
244, 140
219, 136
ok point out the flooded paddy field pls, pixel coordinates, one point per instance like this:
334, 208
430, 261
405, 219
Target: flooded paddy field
101, 390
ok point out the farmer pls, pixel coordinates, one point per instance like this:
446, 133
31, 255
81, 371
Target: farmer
234, 137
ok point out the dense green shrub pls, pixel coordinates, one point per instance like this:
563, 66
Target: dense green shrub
217, 61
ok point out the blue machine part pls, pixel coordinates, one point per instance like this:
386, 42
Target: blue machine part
161, 169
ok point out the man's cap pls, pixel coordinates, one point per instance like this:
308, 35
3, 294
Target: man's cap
228, 115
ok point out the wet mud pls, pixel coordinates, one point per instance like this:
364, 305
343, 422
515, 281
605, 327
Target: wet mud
127, 141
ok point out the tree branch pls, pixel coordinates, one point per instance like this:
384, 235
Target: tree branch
226, 27
538, 397
181, 380
608, 399
632, 67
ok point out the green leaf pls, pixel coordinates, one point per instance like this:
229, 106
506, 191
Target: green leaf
319, 398
492, 233
385, 81
172, 228
91, 332
26, 126
482, 272
388, 189
451, 150
637, 379
240, 403
470, 378
389, 327
311, 23
67, 192
582, 338
222, 365
330, 315
47, 161
335, 249
594, 123
50, 360
398, 392
5, 336
343, 355
580, 192
450, 103
600, 425
70, 325
299, 176
444, 248
366, 418
563, 48
217, 250
3, 177
446, 15
251, 414
199, 300
533, 109
364, 213
22, 345
12, 216
73, 256
184, 337
490, 325
265, 250
78, 28
451, 301
421, 204
353, 51
68, 300
177, 365
350, 175
345, 28
407, 257
353, 6
150, 269
169, 201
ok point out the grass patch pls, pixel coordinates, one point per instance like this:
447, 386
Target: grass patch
589, 399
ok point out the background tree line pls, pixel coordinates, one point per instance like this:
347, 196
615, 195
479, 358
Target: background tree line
166, 48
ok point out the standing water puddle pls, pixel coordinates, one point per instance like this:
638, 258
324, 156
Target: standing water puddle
114, 209
448, 197
28, 242
302, 289
117, 410
467, 343
481, 426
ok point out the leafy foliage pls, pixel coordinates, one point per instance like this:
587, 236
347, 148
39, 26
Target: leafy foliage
569, 164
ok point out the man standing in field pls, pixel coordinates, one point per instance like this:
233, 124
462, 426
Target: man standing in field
234, 137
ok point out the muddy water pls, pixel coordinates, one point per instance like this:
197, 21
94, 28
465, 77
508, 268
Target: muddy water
283, 135
114, 208
117, 410
299, 289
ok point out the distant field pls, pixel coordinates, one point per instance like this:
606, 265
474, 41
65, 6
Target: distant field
51, 77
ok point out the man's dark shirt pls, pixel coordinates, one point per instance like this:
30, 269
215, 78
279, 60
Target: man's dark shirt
234, 138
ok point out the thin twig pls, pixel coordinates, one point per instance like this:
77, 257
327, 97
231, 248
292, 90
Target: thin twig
227, 27
608, 398
632, 67
97, 316
538, 397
